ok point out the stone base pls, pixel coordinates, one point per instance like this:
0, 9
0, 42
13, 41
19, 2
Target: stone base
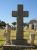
19, 42
11, 47
8, 48
18, 47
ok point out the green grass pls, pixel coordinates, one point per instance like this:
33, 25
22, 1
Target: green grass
13, 35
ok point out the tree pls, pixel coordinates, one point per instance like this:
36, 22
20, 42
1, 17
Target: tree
25, 24
2, 24
14, 23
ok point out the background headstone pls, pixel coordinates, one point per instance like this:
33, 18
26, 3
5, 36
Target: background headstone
30, 26
32, 37
7, 34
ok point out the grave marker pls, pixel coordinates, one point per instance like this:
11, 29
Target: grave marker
7, 34
19, 14
32, 37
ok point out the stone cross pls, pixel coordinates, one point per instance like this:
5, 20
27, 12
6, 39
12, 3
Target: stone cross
19, 14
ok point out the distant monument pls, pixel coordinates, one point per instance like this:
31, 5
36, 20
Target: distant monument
7, 34
30, 26
32, 37
19, 14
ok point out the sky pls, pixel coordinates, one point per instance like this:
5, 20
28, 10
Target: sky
7, 6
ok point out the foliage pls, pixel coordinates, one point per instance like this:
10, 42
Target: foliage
25, 24
2, 24
14, 23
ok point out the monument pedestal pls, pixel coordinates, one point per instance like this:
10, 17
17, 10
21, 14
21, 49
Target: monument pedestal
12, 47
19, 42
18, 47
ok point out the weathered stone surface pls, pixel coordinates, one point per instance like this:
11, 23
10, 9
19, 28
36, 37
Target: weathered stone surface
19, 13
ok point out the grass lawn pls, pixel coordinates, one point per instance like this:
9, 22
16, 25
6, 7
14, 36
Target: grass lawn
13, 36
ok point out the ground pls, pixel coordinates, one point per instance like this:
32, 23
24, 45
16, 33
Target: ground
13, 36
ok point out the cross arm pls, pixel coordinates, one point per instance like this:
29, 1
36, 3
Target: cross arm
26, 13
14, 13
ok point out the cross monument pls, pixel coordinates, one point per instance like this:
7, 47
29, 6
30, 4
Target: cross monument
19, 14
